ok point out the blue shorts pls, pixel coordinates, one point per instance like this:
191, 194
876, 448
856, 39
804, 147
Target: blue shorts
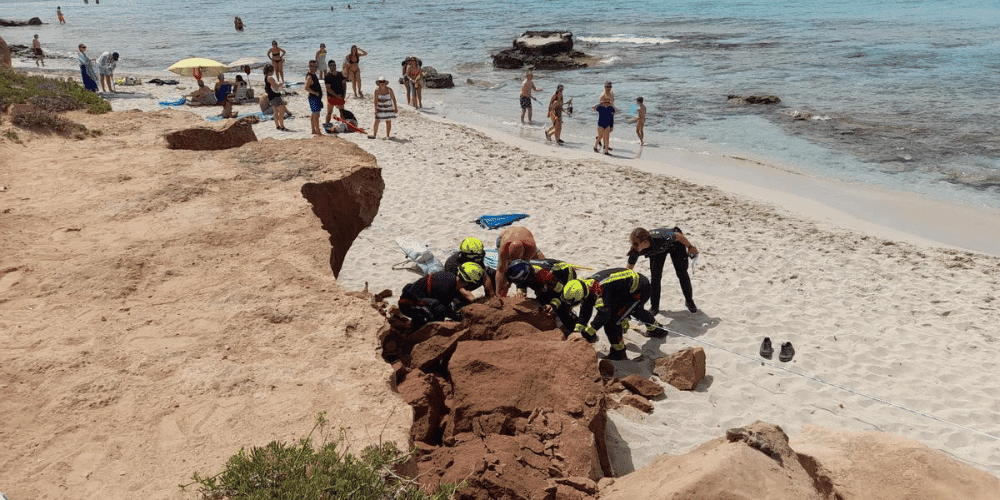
315, 104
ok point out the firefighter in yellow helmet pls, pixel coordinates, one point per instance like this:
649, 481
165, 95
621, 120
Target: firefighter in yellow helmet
472, 250
441, 295
617, 294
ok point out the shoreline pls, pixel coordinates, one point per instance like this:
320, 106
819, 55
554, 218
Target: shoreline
875, 210
887, 325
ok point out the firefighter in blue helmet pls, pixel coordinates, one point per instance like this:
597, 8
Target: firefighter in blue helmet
472, 250
617, 294
441, 295
546, 277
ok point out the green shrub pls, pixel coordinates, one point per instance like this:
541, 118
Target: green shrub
281, 471
48, 93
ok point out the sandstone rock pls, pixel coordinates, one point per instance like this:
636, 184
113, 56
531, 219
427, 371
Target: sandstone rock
231, 135
638, 402
615, 386
758, 461
423, 393
642, 386
753, 99
607, 368
544, 42
683, 369
435, 350
486, 319
346, 205
584, 484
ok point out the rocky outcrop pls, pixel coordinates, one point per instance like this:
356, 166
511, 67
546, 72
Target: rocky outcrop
683, 369
758, 461
30, 22
545, 50
753, 99
230, 135
435, 80
346, 205
502, 402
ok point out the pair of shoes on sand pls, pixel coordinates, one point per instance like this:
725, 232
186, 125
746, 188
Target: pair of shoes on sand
786, 354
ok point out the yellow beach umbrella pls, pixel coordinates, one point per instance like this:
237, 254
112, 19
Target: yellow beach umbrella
208, 67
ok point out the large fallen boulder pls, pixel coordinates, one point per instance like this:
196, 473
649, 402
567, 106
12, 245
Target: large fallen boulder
683, 369
545, 50
502, 402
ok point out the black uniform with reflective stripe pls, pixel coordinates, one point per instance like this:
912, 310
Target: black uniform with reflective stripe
660, 240
616, 294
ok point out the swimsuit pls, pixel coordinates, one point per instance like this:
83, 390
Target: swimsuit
525, 102
315, 100
272, 96
384, 110
605, 116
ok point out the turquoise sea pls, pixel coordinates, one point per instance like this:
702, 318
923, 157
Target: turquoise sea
900, 94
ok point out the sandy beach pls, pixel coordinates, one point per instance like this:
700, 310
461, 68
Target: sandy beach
892, 332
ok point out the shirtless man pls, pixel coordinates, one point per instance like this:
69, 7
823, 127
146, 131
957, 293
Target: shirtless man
515, 242
36, 47
526, 87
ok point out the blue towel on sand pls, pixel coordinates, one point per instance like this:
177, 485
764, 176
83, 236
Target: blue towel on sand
495, 221
179, 101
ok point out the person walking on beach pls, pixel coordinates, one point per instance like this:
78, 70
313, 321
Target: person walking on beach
555, 114
273, 89
527, 86
87, 71
640, 120
277, 57
36, 47
315, 90
617, 294
59, 14
605, 120
385, 107
352, 69
321, 60
336, 89
414, 76
514, 242
106, 69
656, 245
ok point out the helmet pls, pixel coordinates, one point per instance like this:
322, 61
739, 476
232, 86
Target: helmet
471, 273
519, 271
472, 247
574, 292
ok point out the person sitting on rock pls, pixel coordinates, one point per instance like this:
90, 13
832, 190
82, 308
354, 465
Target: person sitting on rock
472, 250
441, 295
617, 294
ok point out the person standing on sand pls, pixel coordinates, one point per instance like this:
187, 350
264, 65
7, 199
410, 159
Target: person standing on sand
59, 14
336, 89
555, 114
605, 121
352, 69
640, 120
515, 242
277, 57
273, 89
321, 60
414, 74
315, 90
106, 69
36, 47
87, 71
526, 88
385, 107
656, 245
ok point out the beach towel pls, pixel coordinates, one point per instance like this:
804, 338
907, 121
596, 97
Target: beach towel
420, 253
261, 116
496, 221
175, 101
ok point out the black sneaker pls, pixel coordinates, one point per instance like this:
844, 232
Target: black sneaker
691, 307
617, 355
765, 348
787, 352
657, 332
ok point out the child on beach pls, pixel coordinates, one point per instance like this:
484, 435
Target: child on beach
385, 106
526, 88
555, 114
36, 47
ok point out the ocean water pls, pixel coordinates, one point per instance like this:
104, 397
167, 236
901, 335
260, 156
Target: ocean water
900, 94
